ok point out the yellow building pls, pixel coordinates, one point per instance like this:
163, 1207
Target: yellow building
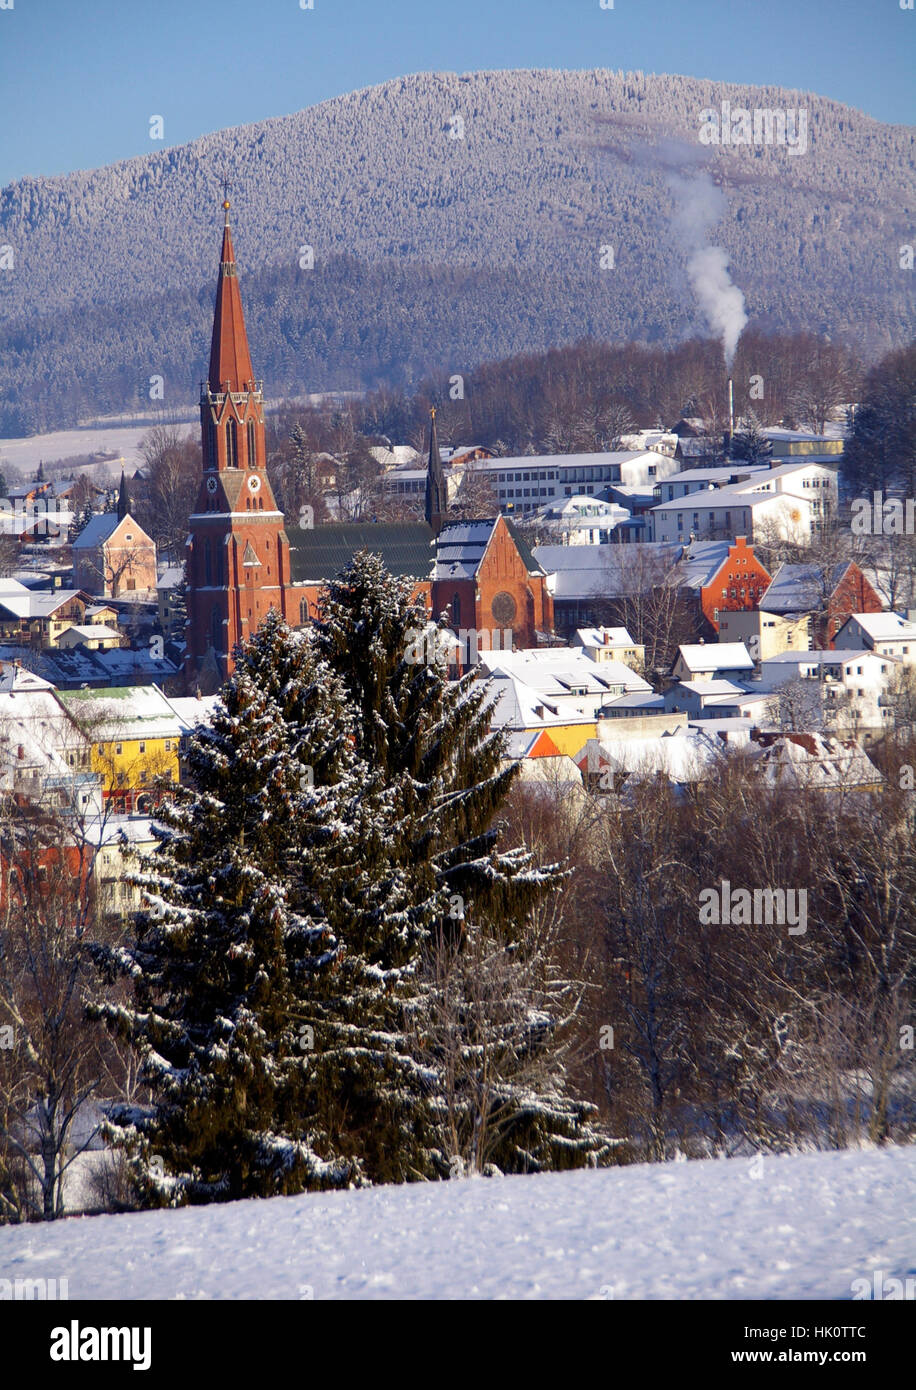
134, 734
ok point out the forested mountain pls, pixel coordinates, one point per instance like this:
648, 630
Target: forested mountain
436, 253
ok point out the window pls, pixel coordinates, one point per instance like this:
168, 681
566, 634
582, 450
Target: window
142, 747
252, 446
231, 445
119, 748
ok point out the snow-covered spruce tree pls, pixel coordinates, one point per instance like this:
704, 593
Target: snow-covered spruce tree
437, 895
230, 933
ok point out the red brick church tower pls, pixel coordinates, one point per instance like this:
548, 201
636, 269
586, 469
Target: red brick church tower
238, 564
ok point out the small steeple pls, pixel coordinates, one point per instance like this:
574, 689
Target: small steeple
436, 490
123, 498
230, 360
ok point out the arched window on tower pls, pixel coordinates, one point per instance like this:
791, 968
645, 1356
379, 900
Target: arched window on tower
232, 451
211, 445
252, 445
303, 610
216, 628
208, 564
456, 611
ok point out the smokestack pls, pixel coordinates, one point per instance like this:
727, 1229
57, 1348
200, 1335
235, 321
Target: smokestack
731, 414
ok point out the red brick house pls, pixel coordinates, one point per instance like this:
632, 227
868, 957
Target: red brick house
828, 594
724, 576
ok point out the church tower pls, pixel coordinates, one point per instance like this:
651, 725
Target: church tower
238, 564
436, 489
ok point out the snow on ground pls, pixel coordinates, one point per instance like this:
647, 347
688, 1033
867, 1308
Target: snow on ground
24, 455
792, 1227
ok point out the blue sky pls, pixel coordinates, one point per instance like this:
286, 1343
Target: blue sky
80, 79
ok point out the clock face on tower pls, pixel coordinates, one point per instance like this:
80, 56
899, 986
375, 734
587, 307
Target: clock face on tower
254, 484
211, 484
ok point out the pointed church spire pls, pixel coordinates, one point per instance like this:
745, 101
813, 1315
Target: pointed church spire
436, 491
230, 360
123, 498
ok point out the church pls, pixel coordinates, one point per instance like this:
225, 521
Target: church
243, 560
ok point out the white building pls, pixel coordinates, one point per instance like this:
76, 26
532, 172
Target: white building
886, 634
579, 521
791, 501
525, 483
713, 660
604, 644
730, 512
854, 683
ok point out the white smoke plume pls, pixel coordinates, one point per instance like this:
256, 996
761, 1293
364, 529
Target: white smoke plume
719, 297
699, 207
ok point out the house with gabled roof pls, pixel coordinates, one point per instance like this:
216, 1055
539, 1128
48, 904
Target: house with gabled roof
886, 634
113, 555
827, 594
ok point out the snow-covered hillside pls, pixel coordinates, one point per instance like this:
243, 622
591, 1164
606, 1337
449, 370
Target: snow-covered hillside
795, 1227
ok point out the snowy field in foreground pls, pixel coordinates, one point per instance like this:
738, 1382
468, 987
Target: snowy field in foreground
797, 1227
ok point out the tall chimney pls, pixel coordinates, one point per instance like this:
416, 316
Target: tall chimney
731, 414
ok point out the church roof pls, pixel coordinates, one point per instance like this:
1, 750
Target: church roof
322, 552
230, 359
462, 546
97, 530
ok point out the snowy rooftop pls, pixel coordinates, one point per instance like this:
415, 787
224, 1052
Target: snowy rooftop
95, 632
800, 588
133, 711
715, 656
684, 756
192, 710
32, 603
97, 530
814, 760
711, 687
603, 637
716, 475
885, 627
561, 671
584, 571
837, 656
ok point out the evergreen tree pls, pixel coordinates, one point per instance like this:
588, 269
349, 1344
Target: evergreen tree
751, 444
227, 941
437, 891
